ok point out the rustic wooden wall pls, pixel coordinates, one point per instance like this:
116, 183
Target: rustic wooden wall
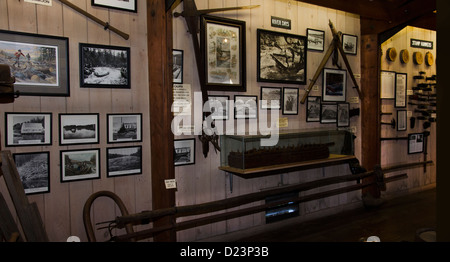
203, 181
61, 209
393, 152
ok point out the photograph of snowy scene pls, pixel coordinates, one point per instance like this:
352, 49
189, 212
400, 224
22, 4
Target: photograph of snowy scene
104, 66
281, 57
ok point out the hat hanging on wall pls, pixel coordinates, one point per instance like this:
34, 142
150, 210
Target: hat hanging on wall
404, 56
429, 59
7, 94
418, 58
391, 54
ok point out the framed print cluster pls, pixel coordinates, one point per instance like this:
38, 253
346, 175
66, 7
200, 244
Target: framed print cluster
103, 66
219, 106
271, 98
78, 129
223, 46
39, 63
123, 161
34, 171
281, 57
124, 128
245, 107
316, 39
28, 129
125, 5
350, 44
290, 101
80, 164
184, 152
334, 87
178, 56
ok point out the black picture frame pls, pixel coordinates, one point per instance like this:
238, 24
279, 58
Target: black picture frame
124, 128
290, 101
123, 161
50, 78
245, 107
223, 45
78, 165
77, 129
129, 5
343, 115
222, 111
104, 66
316, 39
281, 57
178, 66
184, 152
328, 113
28, 129
401, 86
402, 120
416, 143
350, 44
34, 171
272, 96
313, 108
334, 85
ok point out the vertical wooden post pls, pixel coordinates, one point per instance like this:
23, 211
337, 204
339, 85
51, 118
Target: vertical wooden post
370, 102
159, 34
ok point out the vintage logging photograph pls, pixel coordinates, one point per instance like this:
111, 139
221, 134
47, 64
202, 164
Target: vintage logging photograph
28, 129
281, 57
124, 128
124, 161
33, 169
78, 128
80, 165
104, 66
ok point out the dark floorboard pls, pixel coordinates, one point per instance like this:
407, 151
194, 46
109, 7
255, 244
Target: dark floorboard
397, 220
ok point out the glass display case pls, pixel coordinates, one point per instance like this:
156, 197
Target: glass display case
246, 153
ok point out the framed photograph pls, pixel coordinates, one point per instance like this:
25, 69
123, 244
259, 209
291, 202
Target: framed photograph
290, 101
125, 5
343, 115
334, 87
124, 128
178, 57
245, 107
270, 98
402, 120
34, 171
328, 113
223, 43
401, 80
281, 57
124, 161
28, 129
415, 143
103, 66
77, 129
39, 63
350, 44
313, 108
80, 164
316, 39
388, 79
184, 152
220, 106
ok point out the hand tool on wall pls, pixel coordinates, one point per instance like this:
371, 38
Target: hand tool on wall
336, 43
106, 25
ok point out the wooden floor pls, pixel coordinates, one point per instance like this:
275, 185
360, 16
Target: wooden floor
397, 220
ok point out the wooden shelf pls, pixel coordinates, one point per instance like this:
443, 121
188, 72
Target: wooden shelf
276, 169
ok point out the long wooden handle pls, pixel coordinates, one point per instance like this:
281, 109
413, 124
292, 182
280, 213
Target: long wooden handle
106, 25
